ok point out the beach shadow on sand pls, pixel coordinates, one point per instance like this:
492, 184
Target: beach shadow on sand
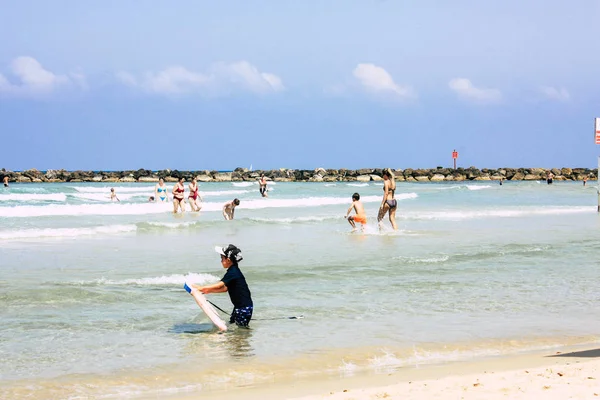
580, 354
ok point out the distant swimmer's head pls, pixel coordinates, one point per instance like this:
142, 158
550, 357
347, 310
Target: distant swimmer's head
151, 198
112, 190
236, 202
231, 252
356, 197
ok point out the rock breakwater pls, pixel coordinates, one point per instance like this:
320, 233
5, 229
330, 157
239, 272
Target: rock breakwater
438, 174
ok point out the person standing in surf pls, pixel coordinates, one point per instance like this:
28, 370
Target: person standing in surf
5, 180
389, 203
160, 191
359, 209
234, 283
193, 197
178, 201
262, 183
229, 209
113, 195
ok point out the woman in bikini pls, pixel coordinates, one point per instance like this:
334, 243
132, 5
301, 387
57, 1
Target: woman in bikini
160, 191
178, 201
389, 204
193, 197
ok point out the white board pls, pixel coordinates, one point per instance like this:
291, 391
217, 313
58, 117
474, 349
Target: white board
208, 309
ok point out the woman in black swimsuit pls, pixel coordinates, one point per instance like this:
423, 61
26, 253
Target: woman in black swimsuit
389, 204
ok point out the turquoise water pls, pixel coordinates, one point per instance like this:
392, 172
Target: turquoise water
92, 303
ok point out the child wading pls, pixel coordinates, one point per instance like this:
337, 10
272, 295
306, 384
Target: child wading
360, 216
233, 282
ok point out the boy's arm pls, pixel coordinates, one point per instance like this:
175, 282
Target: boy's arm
218, 287
349, 209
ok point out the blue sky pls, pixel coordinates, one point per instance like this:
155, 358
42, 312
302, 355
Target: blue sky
298, 84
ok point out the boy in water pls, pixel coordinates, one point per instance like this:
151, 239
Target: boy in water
229, 209
360, 216
113, 195
235, 284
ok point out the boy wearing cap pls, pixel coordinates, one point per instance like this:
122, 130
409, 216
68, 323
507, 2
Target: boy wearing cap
235, 284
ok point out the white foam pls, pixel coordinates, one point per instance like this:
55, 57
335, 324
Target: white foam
295, 219
330, 184
224, 192
357, 184
426, 260
244, 184
65, 232
118, 189
478, 187
106, 197
506, 213
116, 208
177, 279
172, 225
33, 197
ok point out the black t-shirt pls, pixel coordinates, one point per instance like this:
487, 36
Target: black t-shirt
237, 287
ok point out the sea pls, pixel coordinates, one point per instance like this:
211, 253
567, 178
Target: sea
92, 303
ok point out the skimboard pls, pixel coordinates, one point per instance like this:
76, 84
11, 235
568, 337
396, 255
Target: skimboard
208, 309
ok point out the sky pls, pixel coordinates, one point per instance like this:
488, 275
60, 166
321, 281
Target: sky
195, 85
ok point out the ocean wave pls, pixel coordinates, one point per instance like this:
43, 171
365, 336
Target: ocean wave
495, 213
106, 197
169, 225
484, 254
176, 279
357, 184
64, 232
115, 208
294, 220
33, 197
224, 192
118, 189
478, 187
244, 184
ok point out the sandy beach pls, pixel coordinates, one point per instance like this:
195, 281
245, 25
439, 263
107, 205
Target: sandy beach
553, 375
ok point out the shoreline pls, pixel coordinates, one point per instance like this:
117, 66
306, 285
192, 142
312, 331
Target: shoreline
438, 174
565, 372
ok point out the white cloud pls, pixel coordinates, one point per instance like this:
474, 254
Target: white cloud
377, 80
221, 78
553, 93
32, 80
466, 90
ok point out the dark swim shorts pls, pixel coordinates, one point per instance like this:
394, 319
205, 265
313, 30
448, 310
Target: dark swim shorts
241, 316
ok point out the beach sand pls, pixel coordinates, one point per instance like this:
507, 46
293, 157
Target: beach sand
571, 374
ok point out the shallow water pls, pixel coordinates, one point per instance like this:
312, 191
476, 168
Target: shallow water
92, 303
